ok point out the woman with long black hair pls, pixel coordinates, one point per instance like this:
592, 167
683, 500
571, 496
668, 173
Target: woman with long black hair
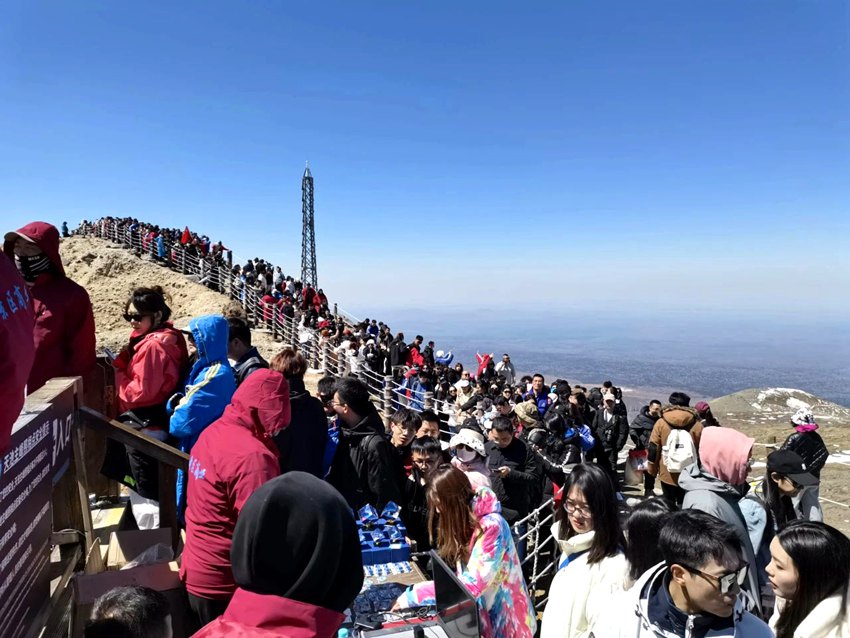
591, 566
783, 485
810, 573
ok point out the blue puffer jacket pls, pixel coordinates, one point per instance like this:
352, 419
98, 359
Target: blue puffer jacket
209, 387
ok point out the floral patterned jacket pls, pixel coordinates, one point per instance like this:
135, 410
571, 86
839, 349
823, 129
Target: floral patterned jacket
493, 575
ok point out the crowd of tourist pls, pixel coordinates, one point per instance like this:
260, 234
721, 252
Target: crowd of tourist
275, 473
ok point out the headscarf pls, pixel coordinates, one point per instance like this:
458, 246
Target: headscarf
296, 538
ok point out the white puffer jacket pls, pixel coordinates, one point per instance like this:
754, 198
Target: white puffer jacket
824, 621
579, 590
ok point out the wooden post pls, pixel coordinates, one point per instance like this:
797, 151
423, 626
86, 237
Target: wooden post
182, 259
429, 400
275, 321
168, 502
388, 399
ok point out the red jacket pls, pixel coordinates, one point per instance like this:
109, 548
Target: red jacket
251, 615
64, 323
232, 458
16, 344
155, 370
414, 357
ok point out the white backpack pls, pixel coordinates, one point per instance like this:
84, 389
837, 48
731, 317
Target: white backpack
680, 451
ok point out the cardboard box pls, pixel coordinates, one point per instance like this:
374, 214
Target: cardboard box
103, 572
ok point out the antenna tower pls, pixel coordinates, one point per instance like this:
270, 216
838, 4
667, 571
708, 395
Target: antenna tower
308, 232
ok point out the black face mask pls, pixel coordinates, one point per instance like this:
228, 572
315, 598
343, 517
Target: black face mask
31, 266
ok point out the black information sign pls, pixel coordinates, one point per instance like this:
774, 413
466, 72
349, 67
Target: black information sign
37, 457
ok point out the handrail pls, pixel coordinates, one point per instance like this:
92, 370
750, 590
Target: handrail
130, 436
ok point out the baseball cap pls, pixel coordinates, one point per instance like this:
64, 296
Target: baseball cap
791, 464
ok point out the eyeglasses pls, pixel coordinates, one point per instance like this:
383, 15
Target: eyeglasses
727, 583
574, 508
136, 316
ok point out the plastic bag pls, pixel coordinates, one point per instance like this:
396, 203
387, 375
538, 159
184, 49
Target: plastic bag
159, 553
635, 467
639, 459
587, 440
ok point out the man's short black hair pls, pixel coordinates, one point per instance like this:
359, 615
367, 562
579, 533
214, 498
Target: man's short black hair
537, 374
426, 445
429, 415
681, 399
501, 402
655, 402
355, 394
237, 328
419, 338
131, 612
406, 417
502, 424
691, 538
325, 388
607, 384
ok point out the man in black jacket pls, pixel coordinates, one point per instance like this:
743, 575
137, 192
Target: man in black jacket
363, 466
611, 427
398, 356
514, 472
640, 431
246, 357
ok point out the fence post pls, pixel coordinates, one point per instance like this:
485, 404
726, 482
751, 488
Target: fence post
314, 342
275, 313
182, 259
429, 400
326, 356
336, 312
388, 399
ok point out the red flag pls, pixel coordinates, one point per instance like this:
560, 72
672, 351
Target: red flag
186, 237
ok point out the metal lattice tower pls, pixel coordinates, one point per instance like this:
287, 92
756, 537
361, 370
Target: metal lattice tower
308, 231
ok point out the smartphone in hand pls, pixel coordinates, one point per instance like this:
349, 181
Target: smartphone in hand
109, 354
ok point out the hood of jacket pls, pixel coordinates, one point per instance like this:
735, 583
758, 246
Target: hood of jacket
296, 538
574, 544
485, 502
368, 425
695, 478
266, 394
251, 615
724, 453
210, 333
679, 417
43, 235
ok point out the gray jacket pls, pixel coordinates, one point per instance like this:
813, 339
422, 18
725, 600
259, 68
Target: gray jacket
713, 496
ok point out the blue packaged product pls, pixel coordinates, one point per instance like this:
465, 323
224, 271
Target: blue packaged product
378, 539
368, 516
391, 513
399, 552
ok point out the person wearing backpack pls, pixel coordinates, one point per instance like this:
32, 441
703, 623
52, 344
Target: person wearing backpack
674, 444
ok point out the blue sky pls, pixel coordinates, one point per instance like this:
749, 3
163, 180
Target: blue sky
661, 156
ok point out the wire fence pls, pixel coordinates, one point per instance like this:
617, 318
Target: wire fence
266, 313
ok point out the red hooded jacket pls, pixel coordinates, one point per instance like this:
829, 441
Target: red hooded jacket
155, 370
252, 615
232, 458
16, 345
63, 336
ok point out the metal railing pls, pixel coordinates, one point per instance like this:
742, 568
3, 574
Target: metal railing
216, 272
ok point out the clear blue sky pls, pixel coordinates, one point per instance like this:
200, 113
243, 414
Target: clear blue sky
656, 154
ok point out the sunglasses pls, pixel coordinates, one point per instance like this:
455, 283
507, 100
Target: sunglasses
727, 583
136, 316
